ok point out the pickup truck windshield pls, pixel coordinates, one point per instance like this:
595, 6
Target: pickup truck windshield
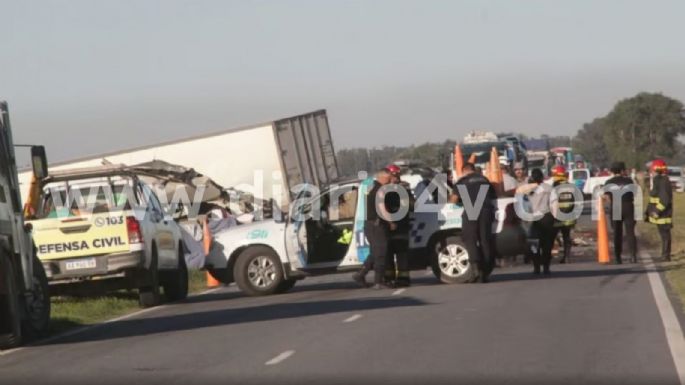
73, 200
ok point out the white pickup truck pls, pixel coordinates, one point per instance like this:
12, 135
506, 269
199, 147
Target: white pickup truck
122, 240
268, 257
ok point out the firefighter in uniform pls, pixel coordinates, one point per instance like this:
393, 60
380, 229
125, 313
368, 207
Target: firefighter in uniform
397, 263
377, 228
626, 218
660, 206
477, 232
564, 202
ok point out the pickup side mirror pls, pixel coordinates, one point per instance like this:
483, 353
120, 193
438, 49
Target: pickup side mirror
39, 161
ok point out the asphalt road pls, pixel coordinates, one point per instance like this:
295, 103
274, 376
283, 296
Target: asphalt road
584, 324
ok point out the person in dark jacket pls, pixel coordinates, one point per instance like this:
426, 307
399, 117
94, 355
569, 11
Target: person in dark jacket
660, 206
563, 202
477, 225
542, 227
397, 262
622, 212
377, 228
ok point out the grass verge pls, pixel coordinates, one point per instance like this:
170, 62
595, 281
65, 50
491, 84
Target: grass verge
72, 312
649, 238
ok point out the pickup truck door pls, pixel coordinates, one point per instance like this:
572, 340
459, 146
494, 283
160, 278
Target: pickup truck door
162, 234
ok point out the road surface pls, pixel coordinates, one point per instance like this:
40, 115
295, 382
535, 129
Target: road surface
584, 324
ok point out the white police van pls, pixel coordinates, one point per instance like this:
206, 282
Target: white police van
269, 256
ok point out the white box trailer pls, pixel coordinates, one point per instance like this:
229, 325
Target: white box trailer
285, 152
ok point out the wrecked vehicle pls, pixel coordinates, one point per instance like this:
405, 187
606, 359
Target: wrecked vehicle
103, 228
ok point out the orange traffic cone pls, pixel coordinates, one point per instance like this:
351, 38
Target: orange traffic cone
472, 159
602, 234
207, 244
458, 161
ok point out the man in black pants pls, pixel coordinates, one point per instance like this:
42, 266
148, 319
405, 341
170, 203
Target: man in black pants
477, 218
542, 227
397, 264
377, 228
621, 187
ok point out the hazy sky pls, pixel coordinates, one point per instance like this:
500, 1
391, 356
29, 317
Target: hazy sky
85, 77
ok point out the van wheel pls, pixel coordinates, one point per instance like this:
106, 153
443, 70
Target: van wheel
10, 320
176, 281
148, 295
38, 310
258, 271
450, 261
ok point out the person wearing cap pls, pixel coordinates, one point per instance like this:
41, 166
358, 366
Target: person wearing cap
660, 206
563, 205
619, 189
398, 198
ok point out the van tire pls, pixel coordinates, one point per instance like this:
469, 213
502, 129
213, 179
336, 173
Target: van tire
258, 271
9, 305
149, 294
449, 261
175, 282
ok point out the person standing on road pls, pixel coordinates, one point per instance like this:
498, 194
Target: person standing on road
377, 228
624, 186
477, 220
563, 203
397, 263
521, 179
542, 227
660, 206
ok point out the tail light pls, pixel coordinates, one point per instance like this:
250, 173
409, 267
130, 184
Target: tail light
134, 233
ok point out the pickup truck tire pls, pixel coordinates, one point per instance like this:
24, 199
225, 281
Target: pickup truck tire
38, 310
175, 282
258, 271
450, 261
148, 295
10, 323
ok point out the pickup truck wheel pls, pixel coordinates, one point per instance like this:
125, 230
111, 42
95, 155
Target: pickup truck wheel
10, 324
38, 309
450, 261
176, 281
148, 295
258, 271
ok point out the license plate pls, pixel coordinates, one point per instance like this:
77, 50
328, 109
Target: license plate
80, 264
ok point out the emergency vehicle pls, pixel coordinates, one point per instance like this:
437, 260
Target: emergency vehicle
268, 257
102, 228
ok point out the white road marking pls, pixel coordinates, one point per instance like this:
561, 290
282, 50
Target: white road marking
280, 358
398, 291
674, 333
353, 318
82, 329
